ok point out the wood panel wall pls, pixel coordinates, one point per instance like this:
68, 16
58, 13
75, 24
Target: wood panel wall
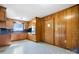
60, 29
38, 29
43, 30
48, 29
72, 29
65, 31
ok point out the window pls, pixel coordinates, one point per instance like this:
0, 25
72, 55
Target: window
18, 27
33, 30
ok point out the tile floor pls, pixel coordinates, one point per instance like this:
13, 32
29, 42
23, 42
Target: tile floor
30, 47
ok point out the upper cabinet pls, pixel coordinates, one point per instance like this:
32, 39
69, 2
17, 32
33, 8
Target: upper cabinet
26, 25
2, 24
9, 23
2, 13
2, 17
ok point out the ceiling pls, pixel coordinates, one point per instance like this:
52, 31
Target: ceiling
28, 11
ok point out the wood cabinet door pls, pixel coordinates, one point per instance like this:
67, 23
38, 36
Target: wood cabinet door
5, 39
9, 24
2, 24
49, 30
32, 37
2, 13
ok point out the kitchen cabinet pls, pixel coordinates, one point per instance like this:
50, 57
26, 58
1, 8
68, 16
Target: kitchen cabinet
18, 36
2, 13
2, 24
2, 17
72, 27
5, 39
9, 23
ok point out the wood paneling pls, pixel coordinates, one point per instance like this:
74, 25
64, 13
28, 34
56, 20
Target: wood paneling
49, 30
38, 29
43, 30
72, 27
60, 30
65, 28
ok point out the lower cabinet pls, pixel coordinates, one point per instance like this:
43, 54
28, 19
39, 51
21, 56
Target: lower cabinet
32, 37
5, 39
18, 36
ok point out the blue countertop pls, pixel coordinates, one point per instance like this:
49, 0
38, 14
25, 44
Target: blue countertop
5, 32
